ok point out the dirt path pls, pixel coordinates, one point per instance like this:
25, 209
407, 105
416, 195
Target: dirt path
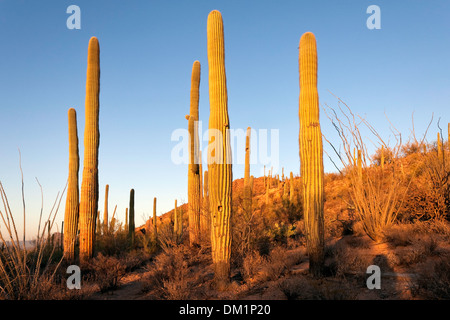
130, 288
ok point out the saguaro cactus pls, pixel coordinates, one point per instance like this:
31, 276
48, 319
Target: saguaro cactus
311, 153
72, 204
155, 223
194, 185
89, 185
176, 223
219, 153
105, 213
439, 146
291, 188
247, 186
131, 227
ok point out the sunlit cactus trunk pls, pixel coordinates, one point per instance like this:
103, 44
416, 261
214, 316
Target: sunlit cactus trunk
72, 200
219, 153
247, 184
194, 185
126, 219
155, 223
176, 223
89, 185
291, 188
311, 153
131, 227
105, 212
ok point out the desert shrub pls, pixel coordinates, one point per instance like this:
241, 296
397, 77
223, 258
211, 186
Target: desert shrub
107, 271
171, 274
433, 282
281, 232
346, 261
113, 242
399, 235
429, 194
305, 288
252, 265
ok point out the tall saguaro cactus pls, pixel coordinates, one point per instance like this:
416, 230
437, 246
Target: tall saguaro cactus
72, 204
194, 185
105, 212
219, 153
155, 223
247, 186
131, 227
311, 153
89, 185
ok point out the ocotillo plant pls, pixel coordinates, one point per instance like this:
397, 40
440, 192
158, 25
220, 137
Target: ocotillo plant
89, 184
155, 223
194, 185
72, 204
131, 234
126, 219
247, 187
105, 213
219, 153
311, 153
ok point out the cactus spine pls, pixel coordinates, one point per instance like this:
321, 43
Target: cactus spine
247, 184
72, 204
89, 185
311, 153
194, 185
131, 219
219, 153
105, 213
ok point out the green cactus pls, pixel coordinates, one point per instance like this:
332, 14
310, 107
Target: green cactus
194, 185
219, 153
131, 227
105, 212
311, 153
155, 223
72, 204
89, 185
247, 186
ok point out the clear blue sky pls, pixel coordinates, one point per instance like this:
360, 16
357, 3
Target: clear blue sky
147, 50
